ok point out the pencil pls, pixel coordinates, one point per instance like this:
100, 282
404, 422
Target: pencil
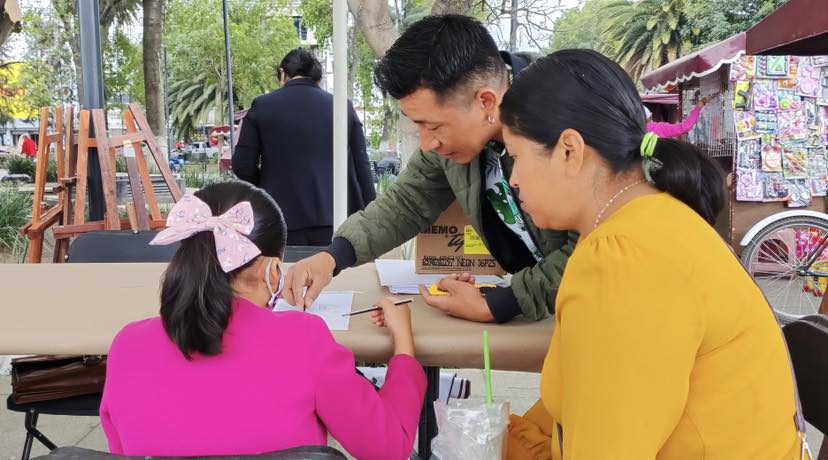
375, 308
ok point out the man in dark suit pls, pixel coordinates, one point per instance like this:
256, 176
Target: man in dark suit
286, 148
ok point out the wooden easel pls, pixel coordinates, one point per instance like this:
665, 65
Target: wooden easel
43, 219
72, 218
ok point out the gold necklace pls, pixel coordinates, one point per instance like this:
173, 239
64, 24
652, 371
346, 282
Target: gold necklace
611, 200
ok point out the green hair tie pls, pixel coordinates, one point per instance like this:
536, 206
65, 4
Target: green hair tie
648, 145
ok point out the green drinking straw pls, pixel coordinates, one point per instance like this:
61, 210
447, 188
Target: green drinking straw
487, 367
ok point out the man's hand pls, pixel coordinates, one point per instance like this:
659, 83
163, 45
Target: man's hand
463, 300
314, 272
465, 277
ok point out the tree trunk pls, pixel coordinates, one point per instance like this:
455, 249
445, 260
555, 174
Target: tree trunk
153, 28
388, 136
353, 60
409, 138
11, 17
453, 6
74, 44
67, 12
374, 21
513, 26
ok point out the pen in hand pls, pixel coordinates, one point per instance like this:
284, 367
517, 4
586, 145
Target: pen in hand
375, 308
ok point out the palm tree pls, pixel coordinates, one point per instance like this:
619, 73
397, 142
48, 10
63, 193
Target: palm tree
117, 11
191, 101
647, 34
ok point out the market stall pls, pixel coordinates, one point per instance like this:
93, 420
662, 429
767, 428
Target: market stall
765, 123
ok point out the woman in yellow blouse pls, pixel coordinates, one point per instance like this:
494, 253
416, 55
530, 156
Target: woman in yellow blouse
664, 348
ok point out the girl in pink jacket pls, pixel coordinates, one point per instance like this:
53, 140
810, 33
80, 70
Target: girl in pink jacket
219, 373
664, 129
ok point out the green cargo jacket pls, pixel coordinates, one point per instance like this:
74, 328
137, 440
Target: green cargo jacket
427, 186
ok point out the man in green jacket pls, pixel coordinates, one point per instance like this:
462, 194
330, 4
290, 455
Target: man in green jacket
449, 78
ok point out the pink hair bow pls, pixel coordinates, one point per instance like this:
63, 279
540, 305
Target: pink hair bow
191, 215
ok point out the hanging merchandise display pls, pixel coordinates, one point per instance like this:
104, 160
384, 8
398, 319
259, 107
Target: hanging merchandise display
808, 80
741, 91
743, 69
745, 123
751, 157
750, 186
764, 95
781, 121
771, 155
772, 67
795, 161
766, 122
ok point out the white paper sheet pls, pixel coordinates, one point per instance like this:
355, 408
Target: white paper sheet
330, 306
400, 276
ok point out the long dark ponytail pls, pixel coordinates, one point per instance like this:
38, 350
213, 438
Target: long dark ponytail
585, 91
196, 295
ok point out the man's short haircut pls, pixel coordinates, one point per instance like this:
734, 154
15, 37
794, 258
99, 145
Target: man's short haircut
300, 62
440, 53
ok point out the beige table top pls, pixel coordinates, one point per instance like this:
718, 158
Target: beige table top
78, 309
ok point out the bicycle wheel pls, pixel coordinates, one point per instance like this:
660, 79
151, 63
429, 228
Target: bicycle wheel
776, 260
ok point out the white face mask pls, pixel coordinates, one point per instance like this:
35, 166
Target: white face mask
274, 295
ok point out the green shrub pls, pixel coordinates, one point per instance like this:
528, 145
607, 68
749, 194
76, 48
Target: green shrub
51, 171
199, 179
15, 211
384, 181
18, 164
120, 164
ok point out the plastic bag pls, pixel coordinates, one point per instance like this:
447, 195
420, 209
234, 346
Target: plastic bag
470, 430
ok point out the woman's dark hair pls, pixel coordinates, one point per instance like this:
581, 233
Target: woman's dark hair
585, 91
300, 62
439, 53
196, 296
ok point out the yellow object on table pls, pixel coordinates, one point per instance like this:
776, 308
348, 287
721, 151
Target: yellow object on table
434, 290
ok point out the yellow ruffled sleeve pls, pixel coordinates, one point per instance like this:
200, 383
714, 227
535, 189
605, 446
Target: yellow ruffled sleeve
628, 335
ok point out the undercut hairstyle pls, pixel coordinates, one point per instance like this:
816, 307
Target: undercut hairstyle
445, 54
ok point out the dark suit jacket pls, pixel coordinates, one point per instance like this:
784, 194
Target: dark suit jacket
286, 148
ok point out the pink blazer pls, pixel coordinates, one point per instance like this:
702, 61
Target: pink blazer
281, 381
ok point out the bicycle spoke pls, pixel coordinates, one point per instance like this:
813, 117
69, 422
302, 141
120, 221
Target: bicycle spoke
773, 256
775, 276
810, 308
781, 292
780, 256
781, 295
813, 306
799, 302
785, 297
